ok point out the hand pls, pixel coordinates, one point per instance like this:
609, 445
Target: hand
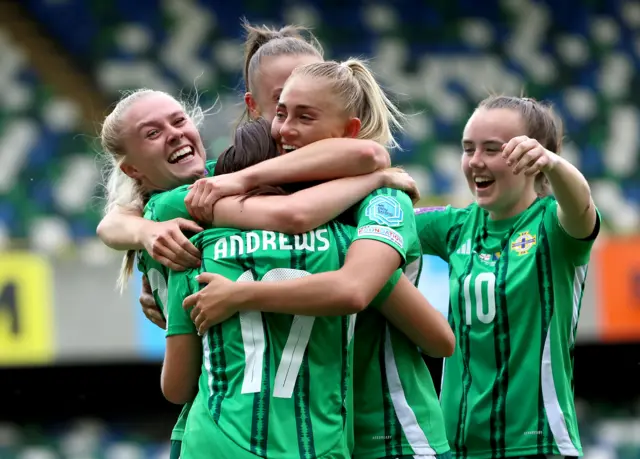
525, 154
205, 192
167, 244
396, 177
214, 303
149, 306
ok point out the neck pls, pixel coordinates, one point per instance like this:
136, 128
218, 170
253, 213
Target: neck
522, 205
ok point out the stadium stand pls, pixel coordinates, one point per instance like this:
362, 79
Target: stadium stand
440, 62
439, 59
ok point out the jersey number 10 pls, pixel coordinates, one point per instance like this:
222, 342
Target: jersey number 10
484, 285
253, 339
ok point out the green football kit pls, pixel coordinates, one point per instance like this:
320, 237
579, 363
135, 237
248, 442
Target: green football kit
162, 207
516, 289
282, 390
396, 408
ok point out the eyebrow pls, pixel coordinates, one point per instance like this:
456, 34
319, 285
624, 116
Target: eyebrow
147, 122
299, 107
484, 142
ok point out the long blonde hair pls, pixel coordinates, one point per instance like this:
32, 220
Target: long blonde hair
121, 190
361, 96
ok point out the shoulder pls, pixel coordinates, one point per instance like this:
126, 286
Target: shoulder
445, 214
387, 206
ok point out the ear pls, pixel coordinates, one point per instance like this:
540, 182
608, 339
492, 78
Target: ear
252, 105
352, 129
131, 171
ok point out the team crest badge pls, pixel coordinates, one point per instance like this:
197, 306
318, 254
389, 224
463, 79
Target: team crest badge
385, 210
523, 243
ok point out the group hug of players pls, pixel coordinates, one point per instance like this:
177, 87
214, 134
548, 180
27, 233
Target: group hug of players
284, 272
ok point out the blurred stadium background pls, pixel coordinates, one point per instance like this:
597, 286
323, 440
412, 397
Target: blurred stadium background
80, 365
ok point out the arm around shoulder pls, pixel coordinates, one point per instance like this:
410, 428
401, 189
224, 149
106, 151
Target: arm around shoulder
121, 227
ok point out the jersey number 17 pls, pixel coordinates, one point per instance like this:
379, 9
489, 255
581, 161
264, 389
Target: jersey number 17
253, 339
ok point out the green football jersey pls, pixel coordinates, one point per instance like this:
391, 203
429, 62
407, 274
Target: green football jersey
162, 207
516, 287
397, 412
276, 384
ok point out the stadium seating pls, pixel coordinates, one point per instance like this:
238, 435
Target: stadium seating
439, 61
606, 434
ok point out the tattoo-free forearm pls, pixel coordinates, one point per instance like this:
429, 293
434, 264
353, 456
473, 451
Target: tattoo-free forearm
121, 230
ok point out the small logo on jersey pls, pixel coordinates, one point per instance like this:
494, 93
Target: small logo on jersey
382, 232
424, 210
523, 243
465, 249
385, 210
489, 258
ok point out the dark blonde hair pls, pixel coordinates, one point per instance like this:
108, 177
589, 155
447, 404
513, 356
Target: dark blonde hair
356, 88
263, 41
541, 123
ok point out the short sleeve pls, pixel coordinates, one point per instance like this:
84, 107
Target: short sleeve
168, 205
386, 215
433, 225
382, 296
577, 251
178, 320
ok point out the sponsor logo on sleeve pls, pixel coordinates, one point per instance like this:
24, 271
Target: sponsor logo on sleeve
382, 232
385, 210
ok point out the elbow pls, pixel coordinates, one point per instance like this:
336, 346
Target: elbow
445, 346
375, 156
351, 297
101, 231
176, 393
294, 220
448, 345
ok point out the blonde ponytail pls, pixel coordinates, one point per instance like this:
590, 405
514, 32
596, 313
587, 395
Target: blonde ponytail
355, 86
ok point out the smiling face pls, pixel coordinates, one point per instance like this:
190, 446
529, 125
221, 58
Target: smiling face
308, 111
491, 181
272, 75
162, 146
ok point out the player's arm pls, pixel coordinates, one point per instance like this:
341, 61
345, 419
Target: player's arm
126, 229
371, 260
322, 160
576, 210
410, 312
326, 159
433, 225
368, 266
183, 352
309, 208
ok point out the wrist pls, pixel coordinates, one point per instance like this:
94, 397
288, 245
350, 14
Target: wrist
243, 299
553, 162
143, 233
249, 179
383, 179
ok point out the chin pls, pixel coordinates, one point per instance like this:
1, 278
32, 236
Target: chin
487, 203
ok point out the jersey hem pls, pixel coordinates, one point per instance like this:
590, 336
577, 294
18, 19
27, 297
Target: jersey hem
405, 450
511, 452
176, 435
